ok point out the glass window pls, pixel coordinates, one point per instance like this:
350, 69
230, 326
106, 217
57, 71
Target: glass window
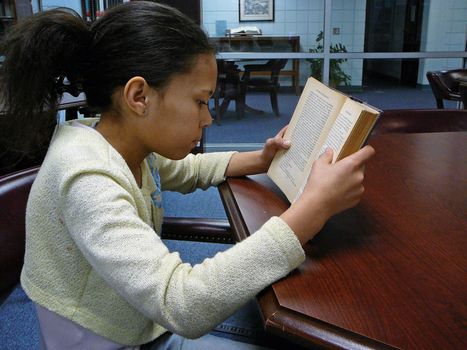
399, 25
378, 49
385, 86
379, 82
264, 83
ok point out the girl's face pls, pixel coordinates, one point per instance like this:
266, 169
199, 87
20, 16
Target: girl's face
176, 117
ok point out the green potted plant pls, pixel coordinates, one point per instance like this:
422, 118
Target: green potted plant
337, 75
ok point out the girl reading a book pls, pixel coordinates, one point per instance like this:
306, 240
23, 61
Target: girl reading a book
95, 266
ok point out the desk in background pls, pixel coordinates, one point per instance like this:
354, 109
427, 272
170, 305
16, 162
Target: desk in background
261, 43
390, 273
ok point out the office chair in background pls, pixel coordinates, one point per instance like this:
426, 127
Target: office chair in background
228, 89
260, 83
445, 85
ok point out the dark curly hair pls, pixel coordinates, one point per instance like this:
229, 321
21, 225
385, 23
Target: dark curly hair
137, 38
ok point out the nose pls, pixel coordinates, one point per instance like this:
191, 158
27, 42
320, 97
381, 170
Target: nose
206, 120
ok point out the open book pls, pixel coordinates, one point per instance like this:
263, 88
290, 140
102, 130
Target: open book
245, 30
323, 118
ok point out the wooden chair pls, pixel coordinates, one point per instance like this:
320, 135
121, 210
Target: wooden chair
421, 120
228, 89
445, 85
258, 83
14, 192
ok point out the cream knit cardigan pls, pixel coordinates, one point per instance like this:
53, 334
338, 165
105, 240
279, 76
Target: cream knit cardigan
94, 254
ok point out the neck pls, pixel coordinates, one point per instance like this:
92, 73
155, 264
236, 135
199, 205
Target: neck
120, 137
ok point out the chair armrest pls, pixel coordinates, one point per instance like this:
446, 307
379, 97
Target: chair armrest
197, 229
254, 68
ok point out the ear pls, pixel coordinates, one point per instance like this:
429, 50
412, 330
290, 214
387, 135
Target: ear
135, 95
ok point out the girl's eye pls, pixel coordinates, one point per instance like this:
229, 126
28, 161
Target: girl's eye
201, 102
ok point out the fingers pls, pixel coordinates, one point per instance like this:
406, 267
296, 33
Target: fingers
279, 138
362, 156
281, 133
286, 143
278, 141
327, 156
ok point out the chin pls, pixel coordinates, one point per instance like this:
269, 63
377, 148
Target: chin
176, 155
180, 156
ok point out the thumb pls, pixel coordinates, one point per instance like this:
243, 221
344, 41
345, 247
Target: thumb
326, 157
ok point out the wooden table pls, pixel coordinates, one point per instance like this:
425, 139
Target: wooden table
264, 43
390, 273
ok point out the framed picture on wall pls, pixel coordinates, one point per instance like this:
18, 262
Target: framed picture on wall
256, 10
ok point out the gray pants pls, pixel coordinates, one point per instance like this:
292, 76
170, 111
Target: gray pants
170, 341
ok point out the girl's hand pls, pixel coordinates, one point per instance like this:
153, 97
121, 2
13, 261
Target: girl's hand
330, 189
256, 162
273, 145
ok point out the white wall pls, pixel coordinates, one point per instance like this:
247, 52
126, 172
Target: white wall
304, 18
444, 28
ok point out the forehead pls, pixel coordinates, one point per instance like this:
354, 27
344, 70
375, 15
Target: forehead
203, 74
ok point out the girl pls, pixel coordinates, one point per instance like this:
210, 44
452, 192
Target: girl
95, 266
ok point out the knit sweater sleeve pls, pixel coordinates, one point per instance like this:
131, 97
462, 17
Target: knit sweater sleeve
132, 259
192, 172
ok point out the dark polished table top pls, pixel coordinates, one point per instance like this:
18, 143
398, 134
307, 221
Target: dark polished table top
390, 273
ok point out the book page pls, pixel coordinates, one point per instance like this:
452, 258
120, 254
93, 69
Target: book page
312, 119
345, 124
345, 121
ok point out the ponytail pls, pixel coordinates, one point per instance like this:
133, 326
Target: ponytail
40, 52
137, 38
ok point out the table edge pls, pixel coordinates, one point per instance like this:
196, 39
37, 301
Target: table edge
277, 319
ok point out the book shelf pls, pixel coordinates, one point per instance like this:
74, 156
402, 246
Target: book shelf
93, 9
